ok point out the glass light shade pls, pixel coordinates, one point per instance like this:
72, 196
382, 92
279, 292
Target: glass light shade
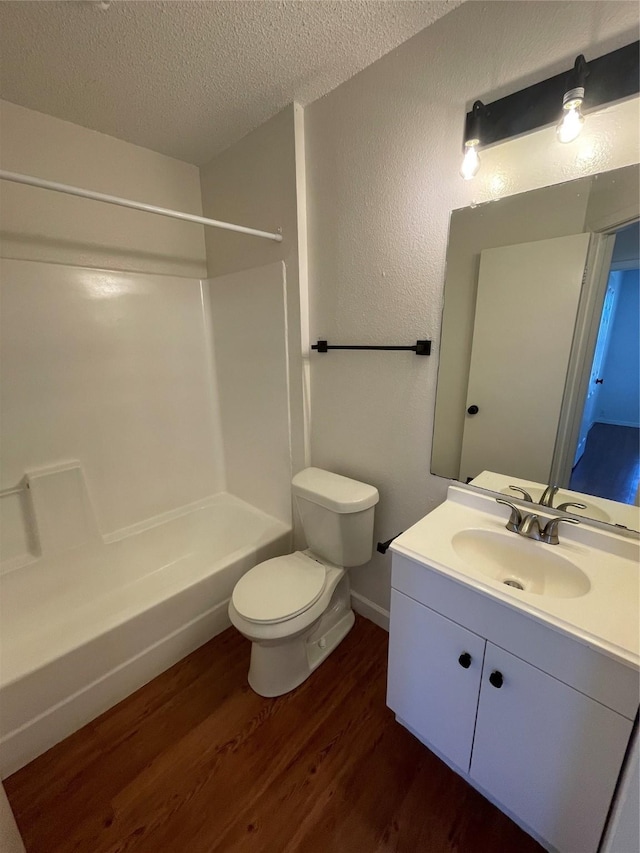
470, 161
572, 121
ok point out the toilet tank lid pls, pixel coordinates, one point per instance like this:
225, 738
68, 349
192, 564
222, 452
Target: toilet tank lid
333, 491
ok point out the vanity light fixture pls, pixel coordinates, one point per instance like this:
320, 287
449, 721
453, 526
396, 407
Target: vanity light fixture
572, 121
612, 77
471, 161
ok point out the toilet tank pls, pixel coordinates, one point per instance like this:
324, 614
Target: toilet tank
337, 515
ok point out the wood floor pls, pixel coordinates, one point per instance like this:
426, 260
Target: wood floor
610, 464
195, 761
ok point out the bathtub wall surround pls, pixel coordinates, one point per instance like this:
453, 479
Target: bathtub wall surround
382, 179
249, 322
128, 510
261, 179
112, 369
151, 418
120, 557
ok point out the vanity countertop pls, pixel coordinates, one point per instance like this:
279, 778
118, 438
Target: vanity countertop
606, 617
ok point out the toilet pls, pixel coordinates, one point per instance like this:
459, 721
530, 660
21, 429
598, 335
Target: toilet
296, 609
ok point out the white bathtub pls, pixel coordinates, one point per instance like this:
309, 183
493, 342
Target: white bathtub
82, 630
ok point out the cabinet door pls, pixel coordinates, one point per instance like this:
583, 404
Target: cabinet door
546, 752
429, 687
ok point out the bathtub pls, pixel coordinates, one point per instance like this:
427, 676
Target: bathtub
82, 630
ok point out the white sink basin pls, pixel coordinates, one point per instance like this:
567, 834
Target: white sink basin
587, 586
521, 563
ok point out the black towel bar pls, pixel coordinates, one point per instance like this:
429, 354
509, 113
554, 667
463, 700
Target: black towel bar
420, 347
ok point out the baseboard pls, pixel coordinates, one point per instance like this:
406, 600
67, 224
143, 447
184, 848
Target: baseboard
612, 422
370, 610
38, 735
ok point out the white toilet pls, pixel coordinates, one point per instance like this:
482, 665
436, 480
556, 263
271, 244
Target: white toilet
296, 609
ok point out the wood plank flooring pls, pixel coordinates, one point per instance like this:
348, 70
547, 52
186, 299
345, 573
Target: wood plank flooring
610, 464
195, 761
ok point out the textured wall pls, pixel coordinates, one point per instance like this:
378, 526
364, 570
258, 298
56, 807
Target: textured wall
383, 153
40, 225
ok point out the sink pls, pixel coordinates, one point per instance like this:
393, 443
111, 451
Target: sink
586, 587
520, 563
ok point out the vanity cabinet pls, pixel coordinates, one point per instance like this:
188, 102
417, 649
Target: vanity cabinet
436, 695
546, 753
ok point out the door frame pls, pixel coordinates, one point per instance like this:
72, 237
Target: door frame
583, 346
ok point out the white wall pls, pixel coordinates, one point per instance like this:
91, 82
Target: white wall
383, 153
40, 225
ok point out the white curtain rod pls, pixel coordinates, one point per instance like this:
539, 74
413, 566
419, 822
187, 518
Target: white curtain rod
134, 205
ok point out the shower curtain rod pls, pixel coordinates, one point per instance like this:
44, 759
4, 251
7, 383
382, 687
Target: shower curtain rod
134, 205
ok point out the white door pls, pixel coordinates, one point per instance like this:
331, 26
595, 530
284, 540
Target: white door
526, 310
434, 677
595, 377
546, 752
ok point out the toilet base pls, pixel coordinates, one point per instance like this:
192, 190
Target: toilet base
278, 667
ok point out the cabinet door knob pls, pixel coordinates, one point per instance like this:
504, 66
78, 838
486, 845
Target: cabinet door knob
465, 660
473, 410
496, 678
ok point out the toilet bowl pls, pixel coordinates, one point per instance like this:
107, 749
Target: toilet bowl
296, 609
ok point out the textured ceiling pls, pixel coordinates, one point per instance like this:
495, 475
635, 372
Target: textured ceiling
189, 78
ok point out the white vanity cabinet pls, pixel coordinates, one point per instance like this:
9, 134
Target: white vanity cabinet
536, 721
436, 695
546, 752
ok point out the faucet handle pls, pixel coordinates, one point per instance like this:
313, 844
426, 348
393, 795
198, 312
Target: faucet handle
550, 532
564, 507
548, 495
515, 519
524, 494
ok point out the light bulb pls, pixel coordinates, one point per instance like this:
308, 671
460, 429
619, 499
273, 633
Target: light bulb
572, 120
470, 161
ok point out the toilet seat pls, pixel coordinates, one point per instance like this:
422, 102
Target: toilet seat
279, 589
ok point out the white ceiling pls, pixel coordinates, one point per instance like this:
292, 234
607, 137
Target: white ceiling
189, 78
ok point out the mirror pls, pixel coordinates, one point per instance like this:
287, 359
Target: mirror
540, 294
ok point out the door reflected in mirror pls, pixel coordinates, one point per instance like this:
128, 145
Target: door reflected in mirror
540, 351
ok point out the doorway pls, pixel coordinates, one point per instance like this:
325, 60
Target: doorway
607, 459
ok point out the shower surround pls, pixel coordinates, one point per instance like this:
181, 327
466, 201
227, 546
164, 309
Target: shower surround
145, 467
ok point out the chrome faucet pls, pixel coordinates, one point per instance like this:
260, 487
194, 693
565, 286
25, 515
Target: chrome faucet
565, 506
529, 525
525, 495
549, 494
550, 532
